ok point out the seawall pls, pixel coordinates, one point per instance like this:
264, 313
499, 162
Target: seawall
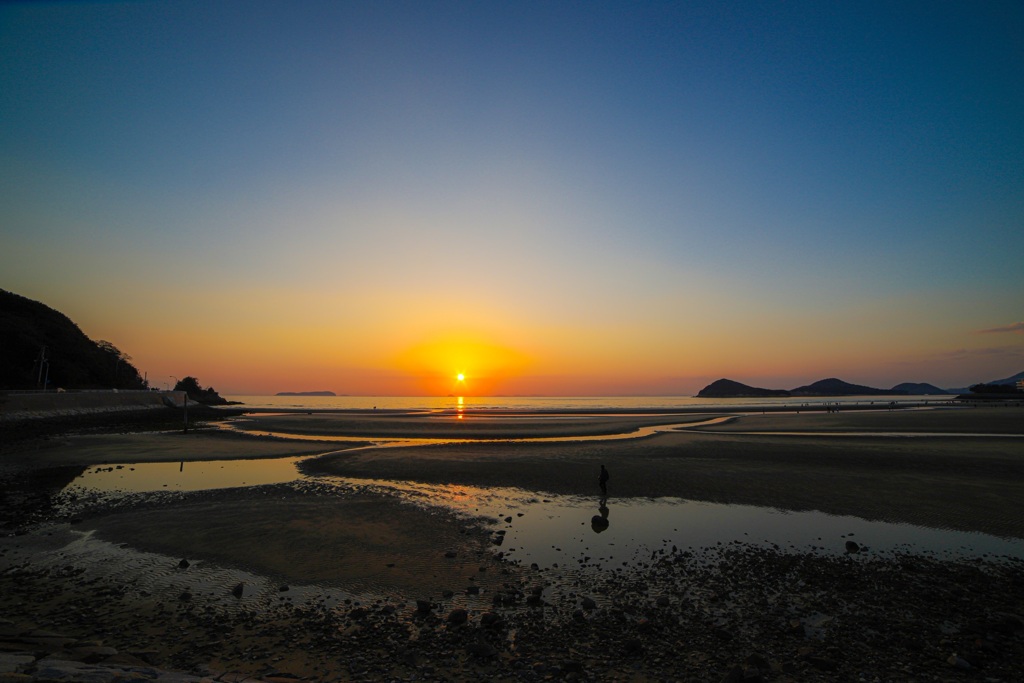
26, 406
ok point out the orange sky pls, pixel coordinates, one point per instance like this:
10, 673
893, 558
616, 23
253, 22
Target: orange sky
625, 198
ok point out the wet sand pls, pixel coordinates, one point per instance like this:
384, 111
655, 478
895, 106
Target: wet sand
945, 481
733, 611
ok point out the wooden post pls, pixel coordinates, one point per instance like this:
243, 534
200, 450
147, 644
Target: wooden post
186, 413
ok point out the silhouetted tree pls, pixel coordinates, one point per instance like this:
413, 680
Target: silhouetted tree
994, 389
190, 385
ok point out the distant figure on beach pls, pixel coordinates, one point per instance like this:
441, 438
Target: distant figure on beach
603, 481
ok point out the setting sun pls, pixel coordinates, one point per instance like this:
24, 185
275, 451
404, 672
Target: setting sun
460, 377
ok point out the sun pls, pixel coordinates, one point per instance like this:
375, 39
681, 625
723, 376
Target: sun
460, 377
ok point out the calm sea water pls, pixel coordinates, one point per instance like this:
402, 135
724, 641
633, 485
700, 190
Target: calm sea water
610, 403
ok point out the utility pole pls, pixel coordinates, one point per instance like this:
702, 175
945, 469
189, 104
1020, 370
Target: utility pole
42, 359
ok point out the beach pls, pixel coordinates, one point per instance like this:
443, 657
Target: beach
383, 558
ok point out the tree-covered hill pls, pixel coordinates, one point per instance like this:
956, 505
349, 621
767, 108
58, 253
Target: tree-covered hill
39, 345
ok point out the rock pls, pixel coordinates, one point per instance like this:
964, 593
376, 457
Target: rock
663, 601
283, 588
491, 620
185, 597
588, 603
852, 547
822, 663
11, 663
758, 661
93, 654
735, 675
458, 616
472, 590
183, 564
450, 554
481, 650
238, 590
632, 646
508, 520
423, 606
958, 662
572, 666
739, 674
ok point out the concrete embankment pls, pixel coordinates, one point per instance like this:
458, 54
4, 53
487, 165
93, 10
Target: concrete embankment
28, 406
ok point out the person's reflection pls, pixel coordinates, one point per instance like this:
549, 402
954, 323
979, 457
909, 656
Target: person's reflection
600, 522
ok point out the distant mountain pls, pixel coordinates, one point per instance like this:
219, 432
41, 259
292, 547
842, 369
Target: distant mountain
1009, 380
42, 346
919, 389
727, 388
1012, 381
305, 393
837, 387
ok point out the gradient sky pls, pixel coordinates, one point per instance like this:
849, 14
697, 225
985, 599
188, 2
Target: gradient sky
553, 198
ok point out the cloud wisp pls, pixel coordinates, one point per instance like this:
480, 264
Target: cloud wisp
1015, 327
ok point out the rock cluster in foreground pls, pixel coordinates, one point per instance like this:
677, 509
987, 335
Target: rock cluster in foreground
736, 613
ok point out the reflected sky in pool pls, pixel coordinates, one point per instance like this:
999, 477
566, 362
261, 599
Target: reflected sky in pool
561, 531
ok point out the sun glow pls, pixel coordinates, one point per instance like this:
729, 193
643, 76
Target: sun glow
485, 366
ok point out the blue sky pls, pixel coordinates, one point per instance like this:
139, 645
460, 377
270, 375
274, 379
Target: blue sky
627, 197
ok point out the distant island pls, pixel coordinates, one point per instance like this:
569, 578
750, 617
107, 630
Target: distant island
727, 388
305, 393
921, 389
837, 387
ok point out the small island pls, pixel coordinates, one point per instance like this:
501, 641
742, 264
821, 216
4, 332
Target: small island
305, 393
727, 388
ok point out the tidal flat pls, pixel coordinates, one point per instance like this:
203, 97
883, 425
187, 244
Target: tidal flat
856, 546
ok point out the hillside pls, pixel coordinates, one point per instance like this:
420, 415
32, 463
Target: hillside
919, 389
837, 387
1009, 380
727, 388
71, 361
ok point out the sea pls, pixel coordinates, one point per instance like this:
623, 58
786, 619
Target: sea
568, 403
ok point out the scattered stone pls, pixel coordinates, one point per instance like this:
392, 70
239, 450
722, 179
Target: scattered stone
238, 590
458, 616
632, 646
852, 547
481, 650
184, 564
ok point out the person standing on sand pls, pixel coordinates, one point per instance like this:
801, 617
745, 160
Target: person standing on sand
603, 481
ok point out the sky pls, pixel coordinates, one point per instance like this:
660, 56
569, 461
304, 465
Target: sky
552, 198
